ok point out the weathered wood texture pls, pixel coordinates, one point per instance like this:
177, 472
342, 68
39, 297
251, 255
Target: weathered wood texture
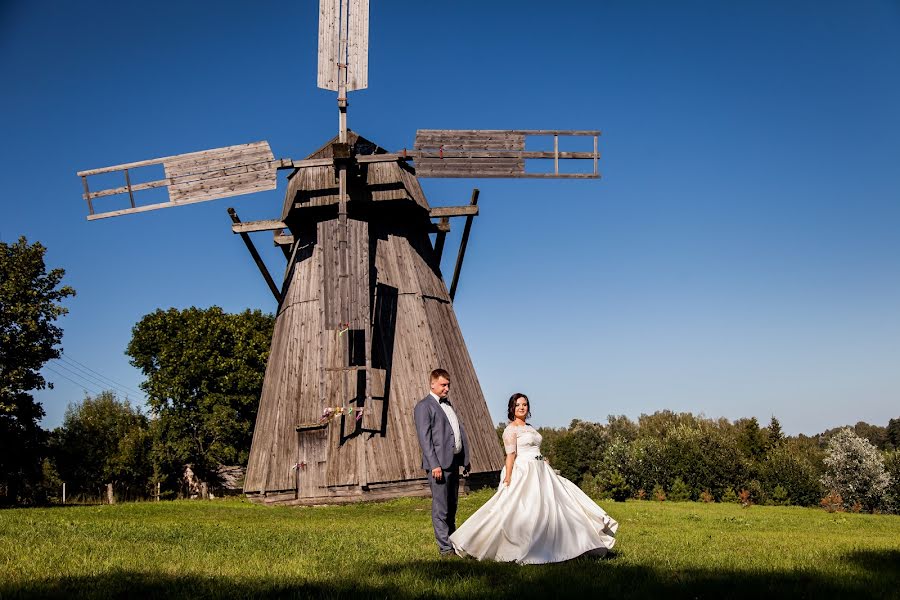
491, 153
316, 362
343, 40
194, 177
368, 181
440, 140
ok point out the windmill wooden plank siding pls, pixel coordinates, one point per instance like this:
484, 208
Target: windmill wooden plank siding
393, 281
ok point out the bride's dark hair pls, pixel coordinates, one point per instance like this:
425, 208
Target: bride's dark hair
511, 409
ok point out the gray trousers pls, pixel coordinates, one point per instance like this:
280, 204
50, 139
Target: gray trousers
444, 500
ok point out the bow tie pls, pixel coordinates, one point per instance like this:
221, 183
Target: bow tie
444, 401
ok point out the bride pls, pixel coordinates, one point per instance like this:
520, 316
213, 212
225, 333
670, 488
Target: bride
536, 516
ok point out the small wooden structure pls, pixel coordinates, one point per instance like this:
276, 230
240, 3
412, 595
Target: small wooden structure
364, 314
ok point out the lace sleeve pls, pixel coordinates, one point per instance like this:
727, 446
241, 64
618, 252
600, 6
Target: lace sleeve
509, 440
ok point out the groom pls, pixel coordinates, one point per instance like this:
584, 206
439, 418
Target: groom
445, 449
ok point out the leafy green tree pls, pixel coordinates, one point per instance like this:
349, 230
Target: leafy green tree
622, 427
204, 371
776, 435
892, 434
892, 467
661, 422
645, 463
703, 457
580, 450
786, 466
751, 439
877, 436
614, 486
30, 304
104, 440
855, 469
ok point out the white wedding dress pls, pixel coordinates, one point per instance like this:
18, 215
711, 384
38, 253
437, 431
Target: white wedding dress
540, 518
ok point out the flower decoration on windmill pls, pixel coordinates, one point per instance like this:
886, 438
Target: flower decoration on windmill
330, 413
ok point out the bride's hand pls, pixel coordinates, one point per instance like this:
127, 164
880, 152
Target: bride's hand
506, 482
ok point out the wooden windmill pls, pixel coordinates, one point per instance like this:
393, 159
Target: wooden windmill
363, 312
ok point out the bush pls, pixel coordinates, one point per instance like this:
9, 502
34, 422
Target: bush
707, 497
780, 496
832, 502
730, 496
590, 486
854, 469
680, 491
892, 468
788, 467
659, 494
757, 493
616, 487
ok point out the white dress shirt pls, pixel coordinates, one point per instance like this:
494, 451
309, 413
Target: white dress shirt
454, 423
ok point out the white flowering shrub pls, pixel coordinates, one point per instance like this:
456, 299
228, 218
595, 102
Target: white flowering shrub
854, 468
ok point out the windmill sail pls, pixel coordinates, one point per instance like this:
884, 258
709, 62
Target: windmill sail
343, 42
494, 153
192, 177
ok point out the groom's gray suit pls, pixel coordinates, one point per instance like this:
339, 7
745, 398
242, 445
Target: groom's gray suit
437, 442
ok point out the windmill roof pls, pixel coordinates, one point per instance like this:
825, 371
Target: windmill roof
317, 186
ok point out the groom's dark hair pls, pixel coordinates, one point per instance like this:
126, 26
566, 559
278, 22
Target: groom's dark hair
511, 409
438, 373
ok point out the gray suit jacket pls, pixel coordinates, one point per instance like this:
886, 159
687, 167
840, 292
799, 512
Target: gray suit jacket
436, 435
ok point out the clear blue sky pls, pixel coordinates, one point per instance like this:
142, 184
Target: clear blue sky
740, 256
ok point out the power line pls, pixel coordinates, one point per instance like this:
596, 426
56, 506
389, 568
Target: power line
84, 377
101, 376
81, 385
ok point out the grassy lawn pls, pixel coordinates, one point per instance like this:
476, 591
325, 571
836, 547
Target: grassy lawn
232, 548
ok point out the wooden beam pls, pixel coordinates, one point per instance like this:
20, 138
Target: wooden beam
278, 238
283, 240
252, 226
440, 239
453, 211
462, 246
256, 258
440, 226
483, 132
173, 158
481, 174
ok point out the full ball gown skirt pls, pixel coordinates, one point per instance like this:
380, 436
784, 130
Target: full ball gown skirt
540, 518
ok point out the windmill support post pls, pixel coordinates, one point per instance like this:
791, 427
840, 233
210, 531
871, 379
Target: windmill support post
462, 246
443, 228
256, 257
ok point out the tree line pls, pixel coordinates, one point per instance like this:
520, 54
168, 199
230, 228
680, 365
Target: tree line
204, 370
682, 456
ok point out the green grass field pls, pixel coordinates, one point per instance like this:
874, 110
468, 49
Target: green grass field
232, 548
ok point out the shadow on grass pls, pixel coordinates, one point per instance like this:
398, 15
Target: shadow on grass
876, 575
887, 561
